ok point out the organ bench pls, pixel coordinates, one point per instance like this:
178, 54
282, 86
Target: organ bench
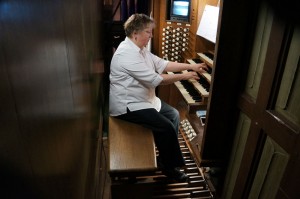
131, 149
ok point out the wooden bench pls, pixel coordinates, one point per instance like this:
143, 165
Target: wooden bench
131, 149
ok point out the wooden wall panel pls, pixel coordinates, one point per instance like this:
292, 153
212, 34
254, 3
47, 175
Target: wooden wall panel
238, 148
270, 171
289, 92
260, 44
49, 111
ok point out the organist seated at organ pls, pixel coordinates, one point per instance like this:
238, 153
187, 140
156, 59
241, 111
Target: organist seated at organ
134, 74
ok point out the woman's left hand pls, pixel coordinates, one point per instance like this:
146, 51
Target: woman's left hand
200, 67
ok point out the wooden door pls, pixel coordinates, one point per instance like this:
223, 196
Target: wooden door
264, 161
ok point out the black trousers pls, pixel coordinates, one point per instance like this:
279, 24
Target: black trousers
164, 125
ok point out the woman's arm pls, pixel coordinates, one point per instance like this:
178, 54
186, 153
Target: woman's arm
171, 78
176, 67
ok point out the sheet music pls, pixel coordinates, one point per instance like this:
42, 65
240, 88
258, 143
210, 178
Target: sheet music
209, 23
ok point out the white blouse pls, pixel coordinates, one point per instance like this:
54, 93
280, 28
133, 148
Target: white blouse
134, 75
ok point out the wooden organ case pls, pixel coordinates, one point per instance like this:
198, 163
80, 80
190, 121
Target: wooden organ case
178, 41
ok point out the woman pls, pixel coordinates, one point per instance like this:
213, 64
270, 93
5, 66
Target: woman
134, 74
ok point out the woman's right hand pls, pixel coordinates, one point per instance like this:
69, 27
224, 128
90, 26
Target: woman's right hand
190, 75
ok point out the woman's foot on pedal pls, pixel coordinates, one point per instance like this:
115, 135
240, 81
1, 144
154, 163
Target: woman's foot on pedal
175, 174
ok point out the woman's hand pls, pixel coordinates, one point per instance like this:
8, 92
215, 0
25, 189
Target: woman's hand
201, 68
190, 75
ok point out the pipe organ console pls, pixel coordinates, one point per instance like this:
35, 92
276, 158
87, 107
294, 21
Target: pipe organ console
179, 42
195, 94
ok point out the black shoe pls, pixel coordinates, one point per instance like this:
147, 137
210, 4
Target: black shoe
175, 174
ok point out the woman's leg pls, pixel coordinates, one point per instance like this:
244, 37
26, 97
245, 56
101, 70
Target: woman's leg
171, 113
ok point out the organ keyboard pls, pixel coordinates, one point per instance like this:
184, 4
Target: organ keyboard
192, 91
207, 74
186, 95
196, 92
199, 87
206, 58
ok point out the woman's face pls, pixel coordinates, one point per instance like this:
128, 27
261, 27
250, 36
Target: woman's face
142, 37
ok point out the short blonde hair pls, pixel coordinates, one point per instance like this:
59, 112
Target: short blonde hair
137, 22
